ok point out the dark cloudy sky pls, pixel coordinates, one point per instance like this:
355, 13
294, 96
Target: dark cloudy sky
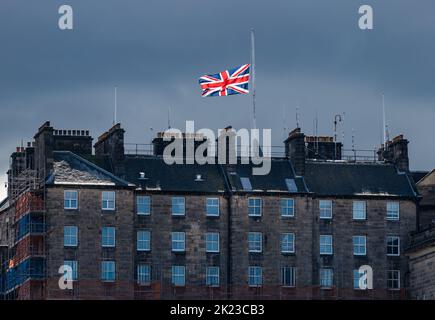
309, 53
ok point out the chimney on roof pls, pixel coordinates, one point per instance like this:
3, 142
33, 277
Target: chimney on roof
159, 143
44, 147
111, 144
395, 152
226, 146
323, 148
295, 150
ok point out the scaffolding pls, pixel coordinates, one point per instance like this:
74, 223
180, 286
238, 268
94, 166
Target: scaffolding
25, 269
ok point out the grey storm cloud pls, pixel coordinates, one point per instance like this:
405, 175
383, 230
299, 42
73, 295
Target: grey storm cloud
309, 54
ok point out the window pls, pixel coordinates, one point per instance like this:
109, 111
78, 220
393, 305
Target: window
291, 185
70, 199
108, 237
326, 244
287, 207
73, 265
246, 183
178, 206
255, 240
288, 243
325, 209
178, 241
108, 270
356, 276
359, 210
212, 276
178, 275
143, 205
255, 278
143, 274
288, 276
393, 279
393, 246
212, 207
212, 242
108, 200
393, 211
143, 241
359, 245
326, 278
70, 236
254, 207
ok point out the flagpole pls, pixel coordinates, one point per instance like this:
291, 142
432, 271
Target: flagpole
253, 77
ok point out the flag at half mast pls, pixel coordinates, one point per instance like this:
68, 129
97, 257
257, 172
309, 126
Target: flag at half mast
225, 83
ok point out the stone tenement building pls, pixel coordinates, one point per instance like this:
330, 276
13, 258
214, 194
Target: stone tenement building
421, 249
132, 227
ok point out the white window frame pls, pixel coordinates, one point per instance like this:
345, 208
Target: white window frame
212, 205
105, 271
68, 199
395, 217
255, 242
70, 236
175, 239
356, 210
390, 279
323, 209
285, 242
359, 245
255, 207
212, 273
177, 272
393, 246
106, 200
213, 239
139, 203
356, 277
286, 210
73, 264
111, 235
292, 279
330, 273
143, 272
325, 245
146, 241
173, 205
253, 275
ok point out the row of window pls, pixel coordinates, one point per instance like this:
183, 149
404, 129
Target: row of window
327, 279
255, 241
212, 275
287, 206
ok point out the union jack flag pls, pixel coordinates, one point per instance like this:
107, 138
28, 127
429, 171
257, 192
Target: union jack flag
225, 83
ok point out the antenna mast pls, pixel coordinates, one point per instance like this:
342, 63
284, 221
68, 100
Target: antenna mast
384, 123
116, 106
297, 117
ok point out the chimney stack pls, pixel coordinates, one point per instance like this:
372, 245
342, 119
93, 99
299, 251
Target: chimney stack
396, 152
111, 144
295, 150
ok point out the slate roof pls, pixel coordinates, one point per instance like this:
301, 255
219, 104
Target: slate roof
173, 178
357, 179
275, 181
69, 168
